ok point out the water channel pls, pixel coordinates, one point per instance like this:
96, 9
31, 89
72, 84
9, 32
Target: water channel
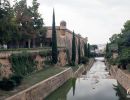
95, 84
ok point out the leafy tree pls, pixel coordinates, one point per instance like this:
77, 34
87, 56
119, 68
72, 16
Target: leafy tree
23, 18
6, 14
37, 21
94, 47
79, 52
73, 49
54, 41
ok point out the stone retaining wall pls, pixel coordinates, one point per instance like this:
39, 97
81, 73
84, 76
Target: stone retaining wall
121, 76
44, 88
84, 68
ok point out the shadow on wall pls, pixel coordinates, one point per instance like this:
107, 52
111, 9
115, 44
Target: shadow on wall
61, 93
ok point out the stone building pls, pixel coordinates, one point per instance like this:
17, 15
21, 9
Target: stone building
64, 38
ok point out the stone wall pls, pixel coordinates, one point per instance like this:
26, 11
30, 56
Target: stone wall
44, 88
121, 76
6, 67
83, 68
41, 90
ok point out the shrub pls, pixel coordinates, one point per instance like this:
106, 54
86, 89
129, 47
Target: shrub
45, 53
17, 79
84, 60
72, 63
48, 62
7, 84
23, 63
113, 61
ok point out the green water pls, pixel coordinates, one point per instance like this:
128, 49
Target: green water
93, 85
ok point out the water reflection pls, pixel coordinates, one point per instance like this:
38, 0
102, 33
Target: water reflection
73, 85
121, 92
92, 85
61, 93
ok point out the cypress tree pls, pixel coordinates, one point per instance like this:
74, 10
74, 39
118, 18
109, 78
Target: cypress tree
85, 50
73, 49
79, 52
54, 41
88, 51
107, 51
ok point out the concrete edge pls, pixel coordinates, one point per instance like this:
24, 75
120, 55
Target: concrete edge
35, 85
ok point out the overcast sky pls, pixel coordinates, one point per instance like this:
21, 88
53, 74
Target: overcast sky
95, 19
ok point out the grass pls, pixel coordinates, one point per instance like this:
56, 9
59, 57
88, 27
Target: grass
32, 79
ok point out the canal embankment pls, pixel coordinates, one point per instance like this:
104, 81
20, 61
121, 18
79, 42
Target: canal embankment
83, 68
44, 88
120, 75
92, 85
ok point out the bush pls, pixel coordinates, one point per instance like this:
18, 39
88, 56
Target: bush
48, 62
113, 61
72, 63
7, 84
23, 63
45, 53
84, 60
11, 83
17, 79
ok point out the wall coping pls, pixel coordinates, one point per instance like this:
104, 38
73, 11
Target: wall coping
32, 87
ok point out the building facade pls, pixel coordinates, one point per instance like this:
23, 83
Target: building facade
64, 38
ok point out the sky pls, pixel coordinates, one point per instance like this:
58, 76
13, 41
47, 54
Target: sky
95, 19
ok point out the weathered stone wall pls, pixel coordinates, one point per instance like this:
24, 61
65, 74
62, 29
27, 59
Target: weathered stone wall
6, 67
121, 76
83, 68
62, 58
44, 88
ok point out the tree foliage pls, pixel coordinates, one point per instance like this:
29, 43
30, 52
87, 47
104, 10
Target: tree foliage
73, 49
54, 41
79, 52
122, 41
85, 49
20, 23
88, 51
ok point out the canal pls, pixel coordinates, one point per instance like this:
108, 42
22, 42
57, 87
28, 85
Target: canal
95, 84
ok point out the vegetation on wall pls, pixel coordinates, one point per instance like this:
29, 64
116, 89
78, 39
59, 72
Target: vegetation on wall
84, 60
23, 63
45, 53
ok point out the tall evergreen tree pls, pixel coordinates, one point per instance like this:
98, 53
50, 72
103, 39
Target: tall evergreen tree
54, 41
88, 51
73, 49
107, 48
79, 52
6, 14
85, 49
